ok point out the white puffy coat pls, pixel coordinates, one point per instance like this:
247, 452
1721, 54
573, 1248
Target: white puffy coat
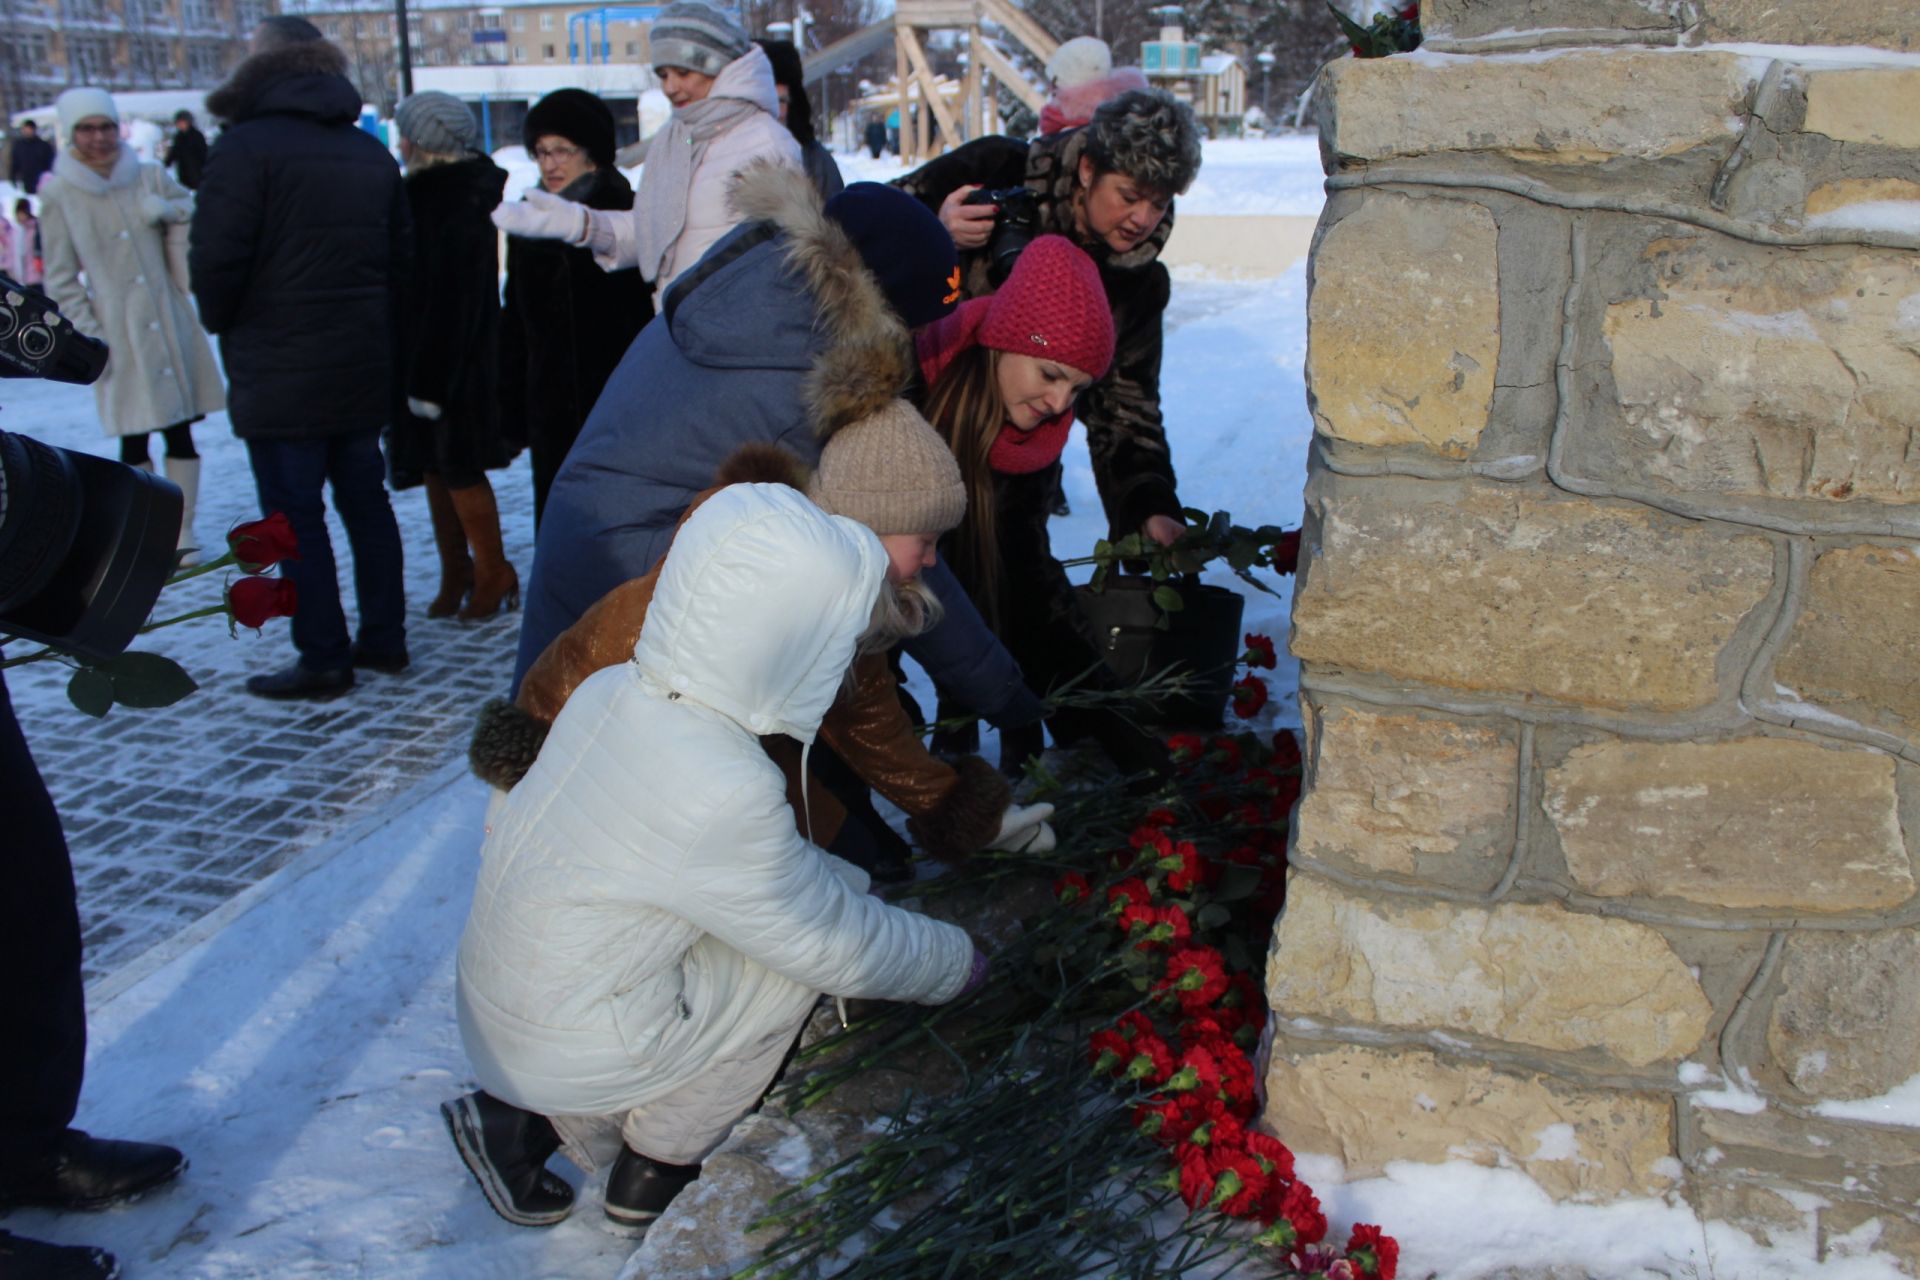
119, 273
645, 907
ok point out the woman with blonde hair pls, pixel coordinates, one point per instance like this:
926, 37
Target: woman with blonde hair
114, 234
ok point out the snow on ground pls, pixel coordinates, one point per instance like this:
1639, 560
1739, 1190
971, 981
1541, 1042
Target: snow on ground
299, 1053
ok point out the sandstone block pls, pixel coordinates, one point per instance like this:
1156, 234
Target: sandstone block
1468, 19
1849, 1229
1868, 22
1845, 1023
1491, 590
1821, 1155
1879, 105
1531, 975
1857, 639
1405, 324
1576, 108
1410, 795
1842, 192
1760, 373
1763, 1213
1371, 1106
1754, 823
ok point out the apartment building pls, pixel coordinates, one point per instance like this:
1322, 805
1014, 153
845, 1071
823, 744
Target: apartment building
48, 45
439, 34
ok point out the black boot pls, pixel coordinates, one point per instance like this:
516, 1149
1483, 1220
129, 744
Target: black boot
639, 1189
297, 681
24, 1259
506, 1150
83, 1172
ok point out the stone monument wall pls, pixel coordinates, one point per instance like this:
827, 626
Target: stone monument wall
1610, 612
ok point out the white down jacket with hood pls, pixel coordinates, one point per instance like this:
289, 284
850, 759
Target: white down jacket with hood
645, 907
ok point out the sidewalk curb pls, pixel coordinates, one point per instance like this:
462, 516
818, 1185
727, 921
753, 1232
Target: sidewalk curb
111, 986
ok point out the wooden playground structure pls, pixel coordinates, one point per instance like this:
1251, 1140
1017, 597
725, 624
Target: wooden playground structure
929, 122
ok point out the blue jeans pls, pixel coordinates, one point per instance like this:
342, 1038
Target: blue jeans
289, 475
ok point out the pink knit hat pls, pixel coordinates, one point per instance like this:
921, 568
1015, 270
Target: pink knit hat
1052, 307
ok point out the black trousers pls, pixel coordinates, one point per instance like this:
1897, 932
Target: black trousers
42, 1003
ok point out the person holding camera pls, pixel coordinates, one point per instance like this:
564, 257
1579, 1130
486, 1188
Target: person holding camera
114, 232
1108, 187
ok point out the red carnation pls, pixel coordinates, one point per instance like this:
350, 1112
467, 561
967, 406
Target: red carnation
1152, 1060
1243, 995
1129, 892
1259, 652
1270, 1151
1184, 867
1240, 1184
1108, 1051
1158, 818
1197, 975
1072, 887
1167, 926
1236, 1077
253, 602
1133, 1023
1284, 555
1226, 753
1373, 1251
1286, 750
1151, 841
260, 544
1186, 747
1196, 1180
1198, 1070
1301, 1207
1249, 695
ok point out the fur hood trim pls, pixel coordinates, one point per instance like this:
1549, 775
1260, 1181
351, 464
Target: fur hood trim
762, 464
235, 99
869, 358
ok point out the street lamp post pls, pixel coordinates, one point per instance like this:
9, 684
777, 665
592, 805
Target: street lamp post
1265, 59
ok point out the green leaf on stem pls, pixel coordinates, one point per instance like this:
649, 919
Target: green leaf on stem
147, 680
1168, 599
91, 690
1236, 882
1212, 916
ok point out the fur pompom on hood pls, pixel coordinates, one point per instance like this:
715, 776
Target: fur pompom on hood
869, 357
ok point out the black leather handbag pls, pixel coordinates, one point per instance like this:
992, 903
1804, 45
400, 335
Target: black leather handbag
1202, 638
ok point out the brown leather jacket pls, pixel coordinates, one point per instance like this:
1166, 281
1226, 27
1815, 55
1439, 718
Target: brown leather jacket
951, 809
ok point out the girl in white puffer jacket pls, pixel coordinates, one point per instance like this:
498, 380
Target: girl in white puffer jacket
649, 930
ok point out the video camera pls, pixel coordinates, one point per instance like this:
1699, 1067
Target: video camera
85, 543
1014, 226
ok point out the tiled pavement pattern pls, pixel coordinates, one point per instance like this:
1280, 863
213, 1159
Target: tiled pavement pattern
170, 813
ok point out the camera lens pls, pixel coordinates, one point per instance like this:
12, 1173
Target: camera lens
9, 321
36, 342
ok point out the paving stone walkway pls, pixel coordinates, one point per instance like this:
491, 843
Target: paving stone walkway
171, 813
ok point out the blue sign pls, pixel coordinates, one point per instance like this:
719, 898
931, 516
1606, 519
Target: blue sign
489, 37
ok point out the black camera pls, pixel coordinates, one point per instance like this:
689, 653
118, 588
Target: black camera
1014, 226
36, 341
85, 543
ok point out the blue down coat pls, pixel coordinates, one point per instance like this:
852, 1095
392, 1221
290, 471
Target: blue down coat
645, 907
779, 332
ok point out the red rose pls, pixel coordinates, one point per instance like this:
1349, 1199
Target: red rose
1373, 1251
1249, 695
255, 601
1072, 887
261, 544
1259, 652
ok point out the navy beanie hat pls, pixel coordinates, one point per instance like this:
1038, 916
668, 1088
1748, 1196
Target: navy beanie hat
579, 117
906, 248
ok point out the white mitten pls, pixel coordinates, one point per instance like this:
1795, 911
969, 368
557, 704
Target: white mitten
541, 215
154, 209
423, 409
1024, 829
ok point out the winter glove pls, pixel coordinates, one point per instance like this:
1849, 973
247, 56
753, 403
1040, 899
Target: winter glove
978, 978
541, 215
154, 209
1024, 829
423, 409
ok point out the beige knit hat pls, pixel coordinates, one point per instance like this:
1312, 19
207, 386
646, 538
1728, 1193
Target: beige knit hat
891, 472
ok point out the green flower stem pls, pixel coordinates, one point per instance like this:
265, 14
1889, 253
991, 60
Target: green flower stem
224, 562
208, 612
48, 653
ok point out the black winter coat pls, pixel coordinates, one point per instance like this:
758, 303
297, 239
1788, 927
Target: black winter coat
300, 250
186, 155
31, 159
1126, 435
451, 326
564, 326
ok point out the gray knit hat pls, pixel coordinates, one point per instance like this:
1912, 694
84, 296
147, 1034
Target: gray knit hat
437, 122
891, 472
696, 36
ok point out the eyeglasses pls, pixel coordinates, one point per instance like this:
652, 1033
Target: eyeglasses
108, 127
544, 154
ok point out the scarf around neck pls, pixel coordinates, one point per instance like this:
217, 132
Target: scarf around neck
1014, 452
743, 87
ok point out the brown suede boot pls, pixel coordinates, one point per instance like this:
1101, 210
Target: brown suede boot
456, 567
496, 587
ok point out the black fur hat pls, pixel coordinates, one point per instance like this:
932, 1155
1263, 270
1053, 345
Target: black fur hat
789, 70
577, 116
